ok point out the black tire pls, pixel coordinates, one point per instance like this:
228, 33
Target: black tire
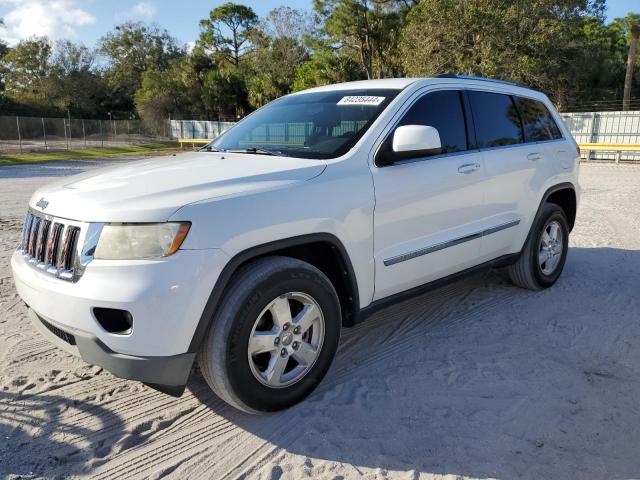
527, 272
223, 356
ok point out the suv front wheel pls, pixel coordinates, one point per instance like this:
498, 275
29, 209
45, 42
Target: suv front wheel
274, 336
545, 252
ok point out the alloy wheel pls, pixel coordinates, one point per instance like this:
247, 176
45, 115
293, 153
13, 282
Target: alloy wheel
550, 248
286, 340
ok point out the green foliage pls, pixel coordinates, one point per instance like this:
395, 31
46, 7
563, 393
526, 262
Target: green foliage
241, 62
604, 70
326, 66
275, 63
537, 42
225, 40
27, 68
624, 24
52, 79
278, 50
132, 49
78, 87
161, 93
227, 30
365, 29
4, 49
225, 93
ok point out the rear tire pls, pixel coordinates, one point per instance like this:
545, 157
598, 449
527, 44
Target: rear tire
545, 251
273, 337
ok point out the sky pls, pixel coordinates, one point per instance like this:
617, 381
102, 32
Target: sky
87, 20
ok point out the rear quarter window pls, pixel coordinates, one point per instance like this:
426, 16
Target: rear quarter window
539, 124
496, 118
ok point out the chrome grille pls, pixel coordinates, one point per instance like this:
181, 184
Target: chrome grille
55, 245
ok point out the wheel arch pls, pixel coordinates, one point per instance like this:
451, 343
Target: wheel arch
322, 250
565, 198
565, 193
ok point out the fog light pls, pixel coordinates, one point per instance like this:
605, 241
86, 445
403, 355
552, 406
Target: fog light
113, 320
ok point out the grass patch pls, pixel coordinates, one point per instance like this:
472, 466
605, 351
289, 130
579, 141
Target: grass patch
87, 154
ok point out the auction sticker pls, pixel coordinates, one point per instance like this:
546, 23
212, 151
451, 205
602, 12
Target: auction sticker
361, 100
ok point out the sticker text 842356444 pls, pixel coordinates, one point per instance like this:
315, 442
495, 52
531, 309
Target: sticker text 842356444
361, 100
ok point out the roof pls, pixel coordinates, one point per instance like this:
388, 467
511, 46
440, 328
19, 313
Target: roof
383, 83
401, 83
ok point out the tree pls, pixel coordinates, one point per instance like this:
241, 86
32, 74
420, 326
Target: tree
78, 86
27, 72
132, 49
162, 93
368, 29
45, 79
603, 74
70, 57
224, 93
4, 49
285, 22
633, 49
537, 42
227, 30
240, 62
326, 66
278, 50
625, 24
225, 37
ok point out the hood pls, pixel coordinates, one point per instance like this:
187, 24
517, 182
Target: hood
152, 190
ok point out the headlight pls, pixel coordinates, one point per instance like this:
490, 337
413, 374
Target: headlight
139, 241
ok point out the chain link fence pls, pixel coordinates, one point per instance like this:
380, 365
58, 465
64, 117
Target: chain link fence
37, 134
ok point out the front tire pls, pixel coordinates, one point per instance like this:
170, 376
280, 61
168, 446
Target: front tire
273, 337
545, 252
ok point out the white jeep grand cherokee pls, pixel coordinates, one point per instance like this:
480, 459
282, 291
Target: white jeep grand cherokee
303, 218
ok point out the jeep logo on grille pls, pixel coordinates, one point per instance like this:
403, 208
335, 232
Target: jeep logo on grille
42, 203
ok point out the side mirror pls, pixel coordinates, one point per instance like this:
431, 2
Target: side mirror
418, 139
411, 141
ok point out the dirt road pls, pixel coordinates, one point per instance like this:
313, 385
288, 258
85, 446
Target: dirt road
478, 379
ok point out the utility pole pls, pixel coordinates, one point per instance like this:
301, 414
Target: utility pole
633, 48
69, 137
19, 135
44, 134
110, 122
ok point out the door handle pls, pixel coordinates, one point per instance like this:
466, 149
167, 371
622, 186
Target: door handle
469, 168
534, 156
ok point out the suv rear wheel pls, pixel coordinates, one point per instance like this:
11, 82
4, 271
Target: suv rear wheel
545, 252
274, 336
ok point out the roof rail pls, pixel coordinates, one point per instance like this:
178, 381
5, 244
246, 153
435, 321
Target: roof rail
482, 79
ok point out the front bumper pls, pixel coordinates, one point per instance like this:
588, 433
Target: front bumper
166, 298
171, 371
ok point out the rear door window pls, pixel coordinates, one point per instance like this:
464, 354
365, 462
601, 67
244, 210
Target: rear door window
539, 125
496, 119
443, 111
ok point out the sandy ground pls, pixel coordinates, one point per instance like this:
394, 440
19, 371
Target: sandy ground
478, 379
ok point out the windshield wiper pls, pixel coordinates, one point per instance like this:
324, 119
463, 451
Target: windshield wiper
256, 151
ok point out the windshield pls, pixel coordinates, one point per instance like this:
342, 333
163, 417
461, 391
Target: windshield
309, 125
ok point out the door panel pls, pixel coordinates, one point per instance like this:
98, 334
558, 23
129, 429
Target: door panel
428, 221
429, 212
510, 168
516, 174
511, 180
